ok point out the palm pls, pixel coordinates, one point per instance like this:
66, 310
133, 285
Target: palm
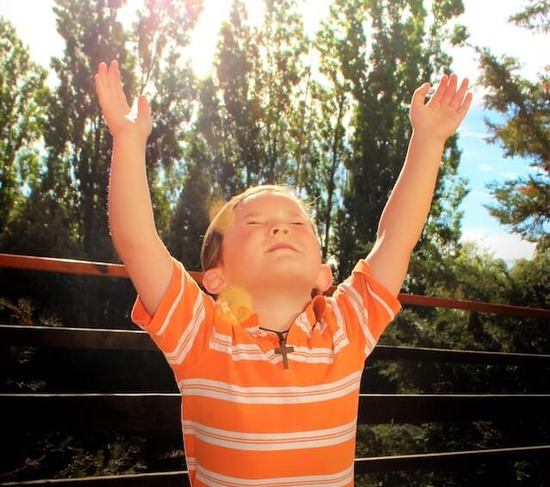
444, 112
115, 108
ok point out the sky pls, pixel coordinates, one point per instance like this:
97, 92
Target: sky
481, 162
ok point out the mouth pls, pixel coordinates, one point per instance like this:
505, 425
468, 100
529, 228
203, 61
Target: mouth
281, 246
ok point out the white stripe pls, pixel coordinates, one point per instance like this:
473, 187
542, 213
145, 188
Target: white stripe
338, 315
317, 355
362, 314
312, 355
340, 339
174, 304
340, 479
381, 300
239, 351
302, 322
272, 441
271, 395
177, 356
253, 352
243, 351
191, 463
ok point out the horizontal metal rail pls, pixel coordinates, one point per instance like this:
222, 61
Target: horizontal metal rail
109, 339
103, 269
425, 461
148, 412
449, 460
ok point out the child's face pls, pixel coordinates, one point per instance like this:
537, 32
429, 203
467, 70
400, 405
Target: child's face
270, 238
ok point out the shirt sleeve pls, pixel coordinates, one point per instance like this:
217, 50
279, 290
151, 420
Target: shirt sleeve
180, 319
368, 307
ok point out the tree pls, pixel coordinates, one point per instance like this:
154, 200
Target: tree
535, 16
22, 91
385, 50
64, 212
253, 112
27, 224
323, 140
159, 37
77, 142
191, 216
523, 106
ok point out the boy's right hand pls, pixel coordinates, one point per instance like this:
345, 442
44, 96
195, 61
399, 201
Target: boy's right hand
120, 117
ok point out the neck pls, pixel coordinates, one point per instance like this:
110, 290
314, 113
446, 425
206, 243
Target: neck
276, 303
278, 311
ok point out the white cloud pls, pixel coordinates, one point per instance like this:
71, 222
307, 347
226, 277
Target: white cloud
506, 246
465, 132
487, 23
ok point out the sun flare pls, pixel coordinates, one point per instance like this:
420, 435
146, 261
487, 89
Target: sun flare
204, 37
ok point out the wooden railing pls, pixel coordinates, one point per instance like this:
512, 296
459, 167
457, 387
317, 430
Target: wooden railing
159, 412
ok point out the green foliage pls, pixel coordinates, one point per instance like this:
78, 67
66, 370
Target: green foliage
523, 130
258, 82
534, 15
22, 91
76, 141
383, 51
61, 456
475, 276
190, 219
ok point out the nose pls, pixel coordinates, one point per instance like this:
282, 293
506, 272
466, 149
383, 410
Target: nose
279, 227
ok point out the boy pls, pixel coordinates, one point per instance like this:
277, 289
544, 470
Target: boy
269, 376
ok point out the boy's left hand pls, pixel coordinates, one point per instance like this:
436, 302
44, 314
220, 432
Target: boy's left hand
445, 110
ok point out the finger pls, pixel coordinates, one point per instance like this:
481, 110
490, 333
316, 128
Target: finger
102, 82
451, 86
102, 69
449, 92
441, 89
465, 105
458, 99
113, 77
420, 94
100, 76
115, 85
143, 106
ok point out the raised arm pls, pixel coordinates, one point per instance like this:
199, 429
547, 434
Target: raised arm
131, 220
407, 209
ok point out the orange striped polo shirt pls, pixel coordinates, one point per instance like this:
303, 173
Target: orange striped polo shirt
249, 421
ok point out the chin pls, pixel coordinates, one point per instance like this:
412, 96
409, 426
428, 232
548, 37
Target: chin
285, 276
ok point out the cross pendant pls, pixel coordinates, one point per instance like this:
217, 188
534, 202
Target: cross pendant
284, 350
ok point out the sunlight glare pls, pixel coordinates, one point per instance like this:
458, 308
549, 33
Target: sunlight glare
204, 38
205, 35
255, 10
313, 13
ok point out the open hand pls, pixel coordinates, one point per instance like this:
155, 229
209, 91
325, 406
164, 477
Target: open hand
445, 110
117, 112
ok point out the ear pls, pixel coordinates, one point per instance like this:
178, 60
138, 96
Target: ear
324, 279
213, 280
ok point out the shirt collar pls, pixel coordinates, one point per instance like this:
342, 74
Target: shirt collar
313, 313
